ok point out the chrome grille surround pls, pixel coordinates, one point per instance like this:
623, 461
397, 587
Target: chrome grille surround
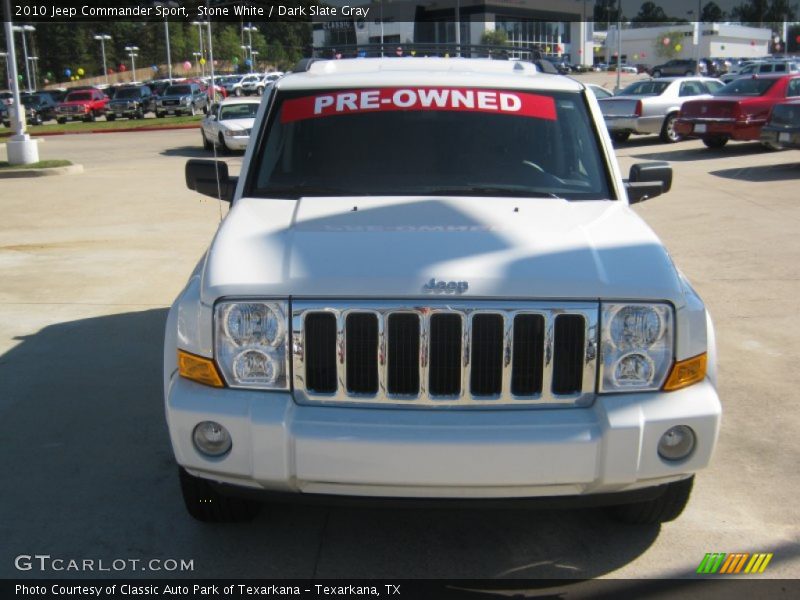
425, 309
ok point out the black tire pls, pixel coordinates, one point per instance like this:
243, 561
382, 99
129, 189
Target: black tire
620, 137
259, 91
769, 146
668, 134
223, 147
61, 121
667, 507
90, 118
238, 92
206, 144
159, 115
111, 117
656, 73
140, 113
205, 504
715, 142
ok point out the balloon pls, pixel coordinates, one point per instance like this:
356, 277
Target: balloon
722, 47
187, 65
580, 52
635, 57
797, 39
80, 71
122, 68
49, 74
111, 71
665, 41
678, 47
752, 42
643, 54
155, 68
203, 61
216, 62
46, 81
248, 62
67, 72
547, 49
235, 60
72, 78
558, 48
19, 77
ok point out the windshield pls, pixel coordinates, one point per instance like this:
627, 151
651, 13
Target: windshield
32, 99
129, 93
78, 96
419, 141
178, 90
746, 87
645, 88
238, 111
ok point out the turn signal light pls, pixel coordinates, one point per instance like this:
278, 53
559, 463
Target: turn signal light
199, 369
686, 372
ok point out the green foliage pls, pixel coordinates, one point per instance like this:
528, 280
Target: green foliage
497, 37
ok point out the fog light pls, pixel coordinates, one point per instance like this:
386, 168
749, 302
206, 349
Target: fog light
211, 438
677, 443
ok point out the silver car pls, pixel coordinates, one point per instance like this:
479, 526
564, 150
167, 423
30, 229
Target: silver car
650, 106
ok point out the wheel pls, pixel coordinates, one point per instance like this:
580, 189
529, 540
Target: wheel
715, 142
159, 115
667, 507
193, 110
37, 120
237, 92
223, 147
772, 147
620, 137
689, 73
140, 113
91, 117
668, 134
110, 117
259, 91
206, 144
61, 121
656, 73
205, 504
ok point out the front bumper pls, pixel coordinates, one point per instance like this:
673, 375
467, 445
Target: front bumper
237, 142
633, 124
281, 446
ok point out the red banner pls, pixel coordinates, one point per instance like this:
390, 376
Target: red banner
347, 102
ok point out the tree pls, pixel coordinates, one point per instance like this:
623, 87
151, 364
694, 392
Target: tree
496, 37
649, 13
711, 13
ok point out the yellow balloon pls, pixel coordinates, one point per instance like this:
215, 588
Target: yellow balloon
547, 49
202, 61
80, 72
678, 47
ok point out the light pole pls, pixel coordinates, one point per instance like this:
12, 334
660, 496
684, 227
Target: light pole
197, 57
200, 40
103, 38
21, 149
132, 50
24, 29
169, 53
619, 44
247, 50
253, 54
33, 60
250, 29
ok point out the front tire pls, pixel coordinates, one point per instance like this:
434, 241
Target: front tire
110, 117
206, 144
620, 137
205, 504
223, 147
715, 142
772, 147
667, 507
238, 92
656, 73
159, 115
259, 91
668, 133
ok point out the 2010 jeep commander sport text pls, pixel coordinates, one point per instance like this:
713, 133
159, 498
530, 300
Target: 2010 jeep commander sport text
431, 286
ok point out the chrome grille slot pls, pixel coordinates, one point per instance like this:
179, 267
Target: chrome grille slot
486, 364
403, 360
362, 353
526, 370
568, 354
444, 353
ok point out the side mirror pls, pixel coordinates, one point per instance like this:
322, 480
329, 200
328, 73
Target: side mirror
210, 177
648, 180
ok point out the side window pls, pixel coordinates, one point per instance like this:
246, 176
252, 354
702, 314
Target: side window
780, 68
765, 69
713, 86
793, 89
690, 88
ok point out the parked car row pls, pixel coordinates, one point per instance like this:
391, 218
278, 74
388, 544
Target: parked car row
755, 108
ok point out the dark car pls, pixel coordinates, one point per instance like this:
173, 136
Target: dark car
182, 98
782, 129
131, 102
677, 67
39, 107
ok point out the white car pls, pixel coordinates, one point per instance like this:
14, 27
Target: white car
228, 124
431, 285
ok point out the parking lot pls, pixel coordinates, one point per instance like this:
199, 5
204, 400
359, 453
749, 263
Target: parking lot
89, 264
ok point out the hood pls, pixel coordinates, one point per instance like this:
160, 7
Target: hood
237, 124
391, 247
76, 102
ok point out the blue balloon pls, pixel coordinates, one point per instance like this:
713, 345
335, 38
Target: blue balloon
67, 72
248, 62
155, 68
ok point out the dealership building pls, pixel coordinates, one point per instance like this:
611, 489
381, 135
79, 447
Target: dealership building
718, 40
554, 27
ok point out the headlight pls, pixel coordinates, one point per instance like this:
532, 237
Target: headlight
186, 100
251, 344
636, 346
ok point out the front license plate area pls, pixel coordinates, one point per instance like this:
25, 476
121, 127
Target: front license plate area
783, 137
701, 128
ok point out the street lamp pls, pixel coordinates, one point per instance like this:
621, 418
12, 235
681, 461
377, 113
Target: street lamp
199, 25
250, 29
253, 54
197, 57
103, 38
33, 60
132, 50
247, 50
23, 29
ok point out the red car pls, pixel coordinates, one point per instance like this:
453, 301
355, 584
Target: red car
738, 111
84, 104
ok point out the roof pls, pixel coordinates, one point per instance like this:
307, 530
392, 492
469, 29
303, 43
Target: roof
240, 100
424, 71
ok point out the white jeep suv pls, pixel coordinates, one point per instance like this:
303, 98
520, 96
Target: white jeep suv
431, 286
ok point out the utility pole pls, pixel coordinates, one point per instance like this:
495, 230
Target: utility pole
169, 54
24, 29
132, 50
102, 38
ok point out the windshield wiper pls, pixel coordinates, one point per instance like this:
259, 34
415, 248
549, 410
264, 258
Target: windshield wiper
517, 191
298, 191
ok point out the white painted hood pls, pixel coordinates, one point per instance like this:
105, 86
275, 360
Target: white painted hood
237, 124
391, 247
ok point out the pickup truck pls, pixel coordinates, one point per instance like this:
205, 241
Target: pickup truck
83, 105
431, 287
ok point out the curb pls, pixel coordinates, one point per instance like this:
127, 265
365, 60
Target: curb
21, 173
121, 130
